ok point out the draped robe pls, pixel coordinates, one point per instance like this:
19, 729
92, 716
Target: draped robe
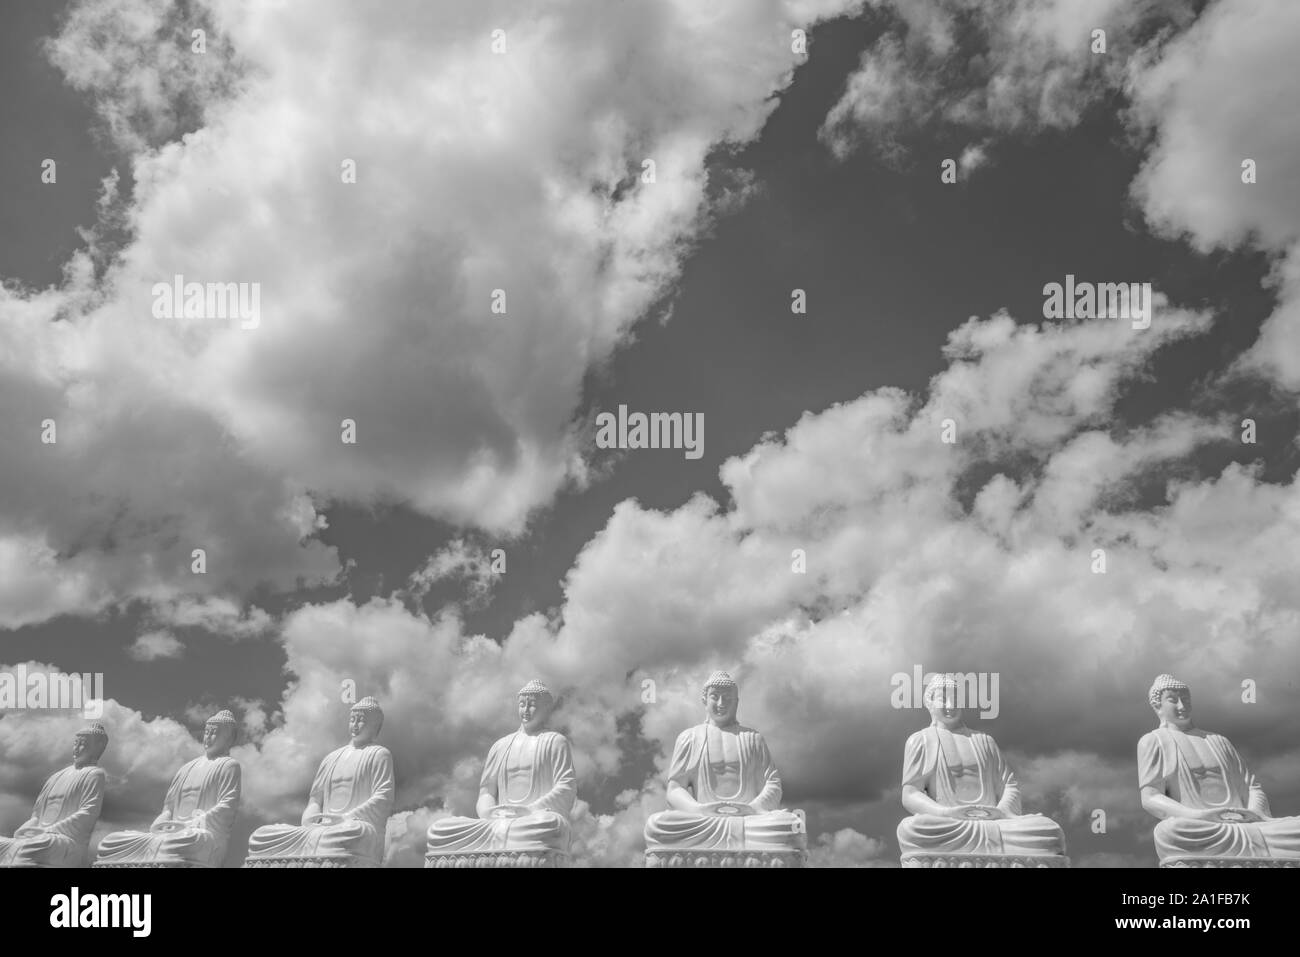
58, 832
931, 764
1211, 775
354, 782
204, 795
697, 764
538, 774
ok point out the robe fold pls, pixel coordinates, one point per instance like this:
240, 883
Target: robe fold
549, 788
65, 813
926, 767
356, 783
204, 794
1169, 762
694, 767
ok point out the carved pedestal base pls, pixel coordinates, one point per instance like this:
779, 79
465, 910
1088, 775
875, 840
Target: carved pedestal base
310, 862
929, 859
98, 864
667, 858
498, 859
1229, 862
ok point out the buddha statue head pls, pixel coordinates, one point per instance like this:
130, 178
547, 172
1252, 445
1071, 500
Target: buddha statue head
364, 721
941, 701
535, 706
1171, 700
89, 745
721, 698
219, 734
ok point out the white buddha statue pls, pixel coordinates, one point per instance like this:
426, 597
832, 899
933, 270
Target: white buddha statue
66, 810
1210, 803
963, 796
526, 792
198, 812
724, 791
347, 812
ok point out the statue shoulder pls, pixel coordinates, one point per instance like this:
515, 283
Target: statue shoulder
1221, 740
554, 739
686, 737
916, 739
687, 744
379, 752
1154, 742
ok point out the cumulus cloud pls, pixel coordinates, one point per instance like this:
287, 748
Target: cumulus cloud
142, 67
215, 614
35, 585
1206, 93
375, 296
1006, 65
909, 561
847, 848
1219, 96
153, 645
978, 555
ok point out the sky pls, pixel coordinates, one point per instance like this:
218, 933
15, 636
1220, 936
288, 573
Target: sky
775, 169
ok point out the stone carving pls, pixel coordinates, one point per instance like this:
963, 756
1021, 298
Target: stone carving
198, 813
347, 812
526, 795
724, 796
66, 810
1213, 810
964, 798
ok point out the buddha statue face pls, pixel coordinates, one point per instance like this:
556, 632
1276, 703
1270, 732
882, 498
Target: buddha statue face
1175, 708
720, 704
217, 738
534, 710
941, 700
363, 726
87, 749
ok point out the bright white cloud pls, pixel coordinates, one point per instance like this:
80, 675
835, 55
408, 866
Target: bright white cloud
1220, 95
1213, 91
915, 553
908, 563
476, 171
